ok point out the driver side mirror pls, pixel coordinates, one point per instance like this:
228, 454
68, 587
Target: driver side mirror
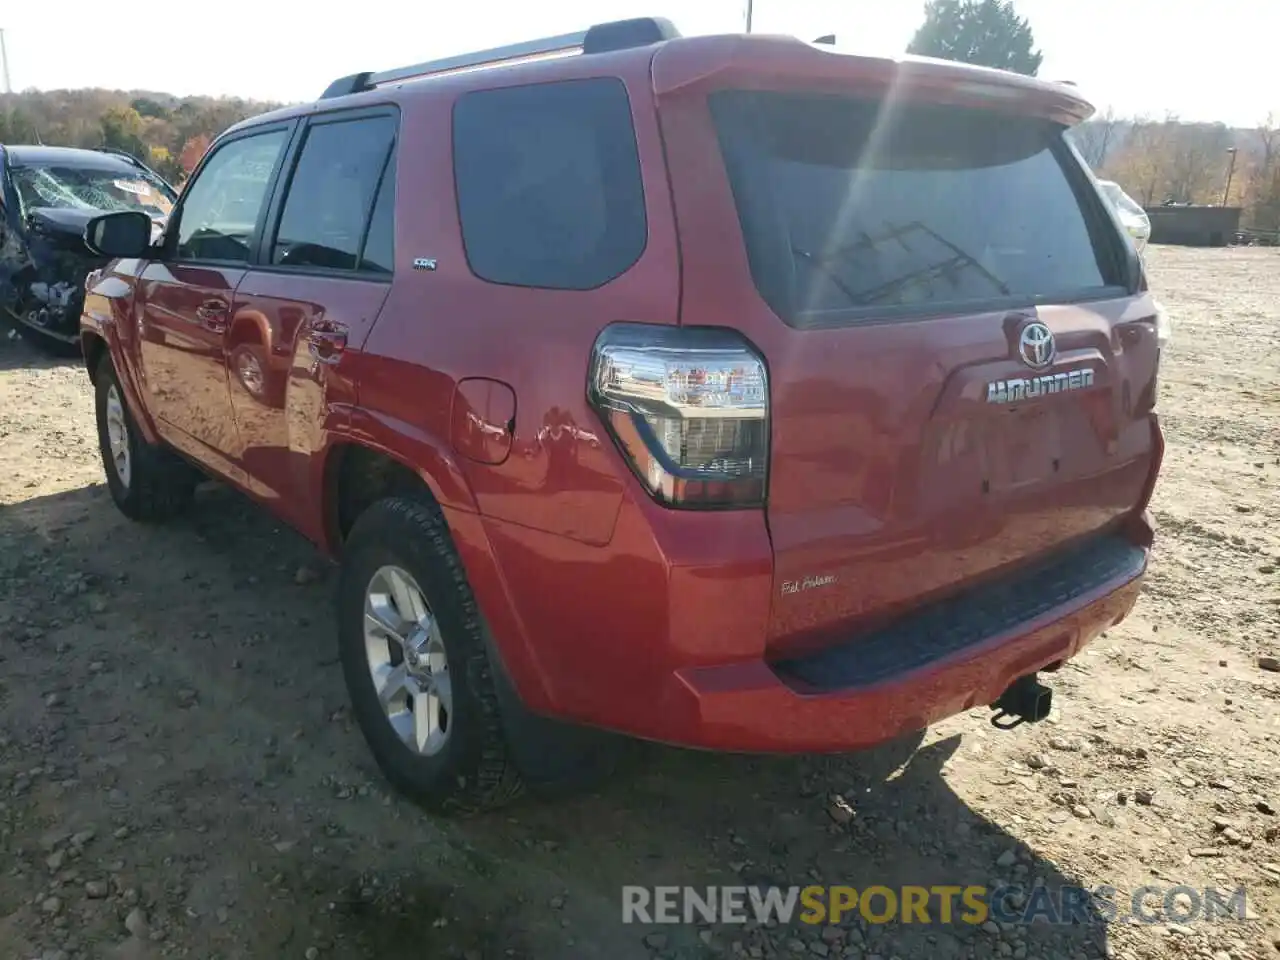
124, 234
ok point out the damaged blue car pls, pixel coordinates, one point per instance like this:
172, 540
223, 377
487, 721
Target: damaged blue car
47, 196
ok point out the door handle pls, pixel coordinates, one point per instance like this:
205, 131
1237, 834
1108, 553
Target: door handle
327, 343
212, 315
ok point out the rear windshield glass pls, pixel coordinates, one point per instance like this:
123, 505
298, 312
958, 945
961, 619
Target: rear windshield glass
855, 208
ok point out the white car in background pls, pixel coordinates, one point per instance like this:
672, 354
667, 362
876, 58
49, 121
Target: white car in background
1134, 219
1138, 225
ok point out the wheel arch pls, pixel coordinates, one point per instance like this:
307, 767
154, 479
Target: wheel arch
93, 347
356, 475
358, 472
99, 342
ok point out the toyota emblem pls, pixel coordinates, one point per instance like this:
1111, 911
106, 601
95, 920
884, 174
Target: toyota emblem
1036, 346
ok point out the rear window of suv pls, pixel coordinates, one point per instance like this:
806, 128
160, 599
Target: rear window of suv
548, 181
854, 208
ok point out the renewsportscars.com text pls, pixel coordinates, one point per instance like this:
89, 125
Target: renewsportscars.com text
925, 905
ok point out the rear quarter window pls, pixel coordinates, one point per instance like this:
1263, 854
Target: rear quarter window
548, 183
855, 208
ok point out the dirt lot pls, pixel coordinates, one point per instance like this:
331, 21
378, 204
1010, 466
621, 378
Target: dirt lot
179, 775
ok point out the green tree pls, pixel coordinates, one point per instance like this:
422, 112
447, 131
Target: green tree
146, 107
17, 126
122, 129
166, 164
986, 32
136, 121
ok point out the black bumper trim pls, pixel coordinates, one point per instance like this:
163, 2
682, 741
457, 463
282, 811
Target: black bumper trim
949, 626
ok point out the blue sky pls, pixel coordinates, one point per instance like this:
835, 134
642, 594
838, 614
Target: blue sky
1190, 57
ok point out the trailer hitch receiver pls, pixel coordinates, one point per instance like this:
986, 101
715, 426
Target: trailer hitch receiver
1027, 700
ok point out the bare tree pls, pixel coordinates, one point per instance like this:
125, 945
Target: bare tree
1197, 161
1141, 166
1095, 137
1268, 135
1156, 160
1262, 194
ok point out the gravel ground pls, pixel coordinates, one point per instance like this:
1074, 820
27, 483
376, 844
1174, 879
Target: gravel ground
179, 775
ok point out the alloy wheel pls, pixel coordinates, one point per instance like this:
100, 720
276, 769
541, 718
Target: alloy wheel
118, 437
407, 660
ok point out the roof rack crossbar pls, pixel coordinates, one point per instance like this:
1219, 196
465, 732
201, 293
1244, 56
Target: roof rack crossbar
544, 47
599, 39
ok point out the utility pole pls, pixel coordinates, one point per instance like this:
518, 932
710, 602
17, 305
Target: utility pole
1231, 169
749, 16
4, 62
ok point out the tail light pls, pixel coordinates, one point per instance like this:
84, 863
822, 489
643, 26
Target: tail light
689, 409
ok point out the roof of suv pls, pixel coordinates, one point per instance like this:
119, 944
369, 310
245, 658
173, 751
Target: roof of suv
699, 58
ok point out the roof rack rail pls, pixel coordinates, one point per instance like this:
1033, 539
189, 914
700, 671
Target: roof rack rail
601, 38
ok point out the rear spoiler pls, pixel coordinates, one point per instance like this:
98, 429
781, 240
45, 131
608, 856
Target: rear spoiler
710, 62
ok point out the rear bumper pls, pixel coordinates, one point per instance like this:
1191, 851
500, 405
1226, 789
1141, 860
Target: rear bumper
811, 706
676, 652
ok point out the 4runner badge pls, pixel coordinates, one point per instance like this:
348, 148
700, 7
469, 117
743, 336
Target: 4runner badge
1029, 388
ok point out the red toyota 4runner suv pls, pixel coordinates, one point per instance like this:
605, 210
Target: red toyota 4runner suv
722, 391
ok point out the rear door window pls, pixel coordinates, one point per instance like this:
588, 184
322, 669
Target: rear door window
857, 208
548, 181
330, 201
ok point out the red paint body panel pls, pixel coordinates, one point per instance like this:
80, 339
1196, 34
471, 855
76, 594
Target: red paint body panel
282, 395
108, 316
183, 311
611, 625
439, 327
888, 470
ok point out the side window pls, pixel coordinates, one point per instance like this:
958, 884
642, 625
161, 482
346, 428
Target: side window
221, 208
548, 181
331, 194
379, 248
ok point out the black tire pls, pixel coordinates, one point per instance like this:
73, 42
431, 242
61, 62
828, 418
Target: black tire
160, 483
473, 770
